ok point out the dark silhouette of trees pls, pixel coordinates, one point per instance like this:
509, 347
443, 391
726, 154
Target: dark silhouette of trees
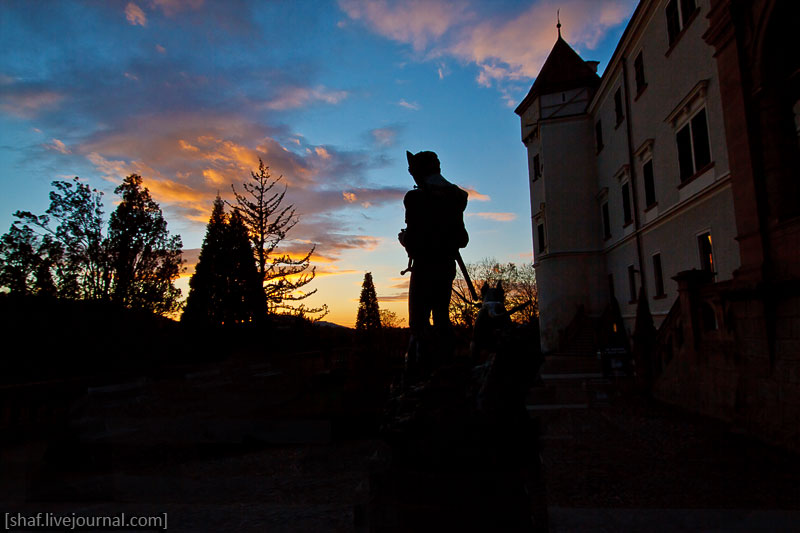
63, 252
519, 284
246, 295
226, 285
21, 262
207, 285
368, 317
72, 257
268, 224
145, 258
389, 319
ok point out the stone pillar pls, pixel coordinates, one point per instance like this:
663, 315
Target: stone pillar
689, 284
748, 199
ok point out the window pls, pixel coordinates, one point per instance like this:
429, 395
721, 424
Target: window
632, 282
540, 236
626, 203
598, 135
537, 168
638, 69
618, 106
706, 252
606, 222
649, 184
694, 151
658, 276
678, 14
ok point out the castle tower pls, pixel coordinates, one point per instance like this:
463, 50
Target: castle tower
558, 133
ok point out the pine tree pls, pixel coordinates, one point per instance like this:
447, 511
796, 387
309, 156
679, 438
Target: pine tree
226, 286
246, 300
207, 287
368, 318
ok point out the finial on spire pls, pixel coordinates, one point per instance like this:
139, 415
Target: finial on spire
558, 18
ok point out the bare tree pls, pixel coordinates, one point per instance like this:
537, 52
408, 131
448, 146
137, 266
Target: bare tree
268, 223
519, 283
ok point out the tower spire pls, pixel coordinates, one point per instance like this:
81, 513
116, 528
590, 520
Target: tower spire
558, 19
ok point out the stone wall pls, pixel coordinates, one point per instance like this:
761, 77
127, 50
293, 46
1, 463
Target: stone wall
733, 352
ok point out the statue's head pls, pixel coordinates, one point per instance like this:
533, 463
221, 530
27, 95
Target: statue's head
423, 164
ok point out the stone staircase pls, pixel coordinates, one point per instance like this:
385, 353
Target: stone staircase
569, 382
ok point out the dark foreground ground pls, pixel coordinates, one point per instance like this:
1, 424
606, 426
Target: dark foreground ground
248, 445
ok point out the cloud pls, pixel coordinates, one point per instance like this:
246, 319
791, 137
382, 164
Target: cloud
400, 297
409, 105
160, 49
417, 22
27, 100
476, 196
384, 137
135, 15
402, 284
190, 257
188, 157
497, 217
515, 48
172, 7
294, 97
505, 46
58, 146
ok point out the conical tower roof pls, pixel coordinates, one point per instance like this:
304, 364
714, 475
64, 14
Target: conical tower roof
563, 70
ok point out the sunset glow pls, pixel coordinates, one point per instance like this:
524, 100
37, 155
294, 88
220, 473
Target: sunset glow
190, 94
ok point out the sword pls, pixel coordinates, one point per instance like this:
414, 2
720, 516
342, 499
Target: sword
463, 268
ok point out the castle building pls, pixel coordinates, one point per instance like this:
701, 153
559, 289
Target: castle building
629, 174
675, 177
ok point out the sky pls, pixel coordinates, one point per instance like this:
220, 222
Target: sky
189, 94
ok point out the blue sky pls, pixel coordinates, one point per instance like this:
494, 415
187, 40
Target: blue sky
189, 93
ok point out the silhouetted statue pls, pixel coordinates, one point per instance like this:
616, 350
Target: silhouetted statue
434, 232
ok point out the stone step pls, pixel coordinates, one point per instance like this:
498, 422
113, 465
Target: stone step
557, 395
569, 364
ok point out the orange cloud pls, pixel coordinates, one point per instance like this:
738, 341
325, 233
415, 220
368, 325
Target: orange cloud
187, 146
497, 217
135, 15
212, 176
400, 297
58, 146
476, 196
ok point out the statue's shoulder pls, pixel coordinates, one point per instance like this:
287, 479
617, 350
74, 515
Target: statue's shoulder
413, 197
